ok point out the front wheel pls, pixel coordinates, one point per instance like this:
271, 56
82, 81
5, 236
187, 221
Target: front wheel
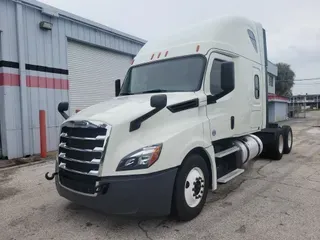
191, 188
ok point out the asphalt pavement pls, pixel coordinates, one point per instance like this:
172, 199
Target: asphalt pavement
271, 200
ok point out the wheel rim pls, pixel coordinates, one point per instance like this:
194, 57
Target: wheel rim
281, 143
194, 187
290, 139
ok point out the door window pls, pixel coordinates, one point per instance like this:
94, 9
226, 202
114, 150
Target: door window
222, 79
215, 77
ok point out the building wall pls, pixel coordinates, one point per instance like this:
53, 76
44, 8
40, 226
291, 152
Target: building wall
271, 112
41, 67
272, 74
271, 84
281, 110
278, 111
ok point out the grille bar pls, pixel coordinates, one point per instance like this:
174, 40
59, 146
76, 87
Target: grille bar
91, 172
93, 161
99, 137
96, 149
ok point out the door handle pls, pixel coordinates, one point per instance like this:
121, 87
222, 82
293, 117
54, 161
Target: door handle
232, 122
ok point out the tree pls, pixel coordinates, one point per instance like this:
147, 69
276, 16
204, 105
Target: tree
284, 80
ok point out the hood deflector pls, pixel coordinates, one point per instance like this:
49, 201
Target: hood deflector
174, 108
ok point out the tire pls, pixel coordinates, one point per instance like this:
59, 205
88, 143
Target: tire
276, 151
187, 208
288, 139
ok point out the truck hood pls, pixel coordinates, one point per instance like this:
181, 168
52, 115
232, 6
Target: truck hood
126, 108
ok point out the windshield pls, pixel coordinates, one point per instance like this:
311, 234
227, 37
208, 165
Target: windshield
174, 75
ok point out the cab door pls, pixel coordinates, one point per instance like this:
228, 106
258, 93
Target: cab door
219, 88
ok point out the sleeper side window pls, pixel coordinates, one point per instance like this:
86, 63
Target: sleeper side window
253, 40
256, 87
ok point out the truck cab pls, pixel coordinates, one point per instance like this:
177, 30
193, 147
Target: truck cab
191, 111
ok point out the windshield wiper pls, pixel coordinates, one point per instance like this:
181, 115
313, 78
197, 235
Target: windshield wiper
155, 91
125, 94
149, 91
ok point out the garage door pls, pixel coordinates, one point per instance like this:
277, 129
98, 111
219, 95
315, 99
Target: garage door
92, 72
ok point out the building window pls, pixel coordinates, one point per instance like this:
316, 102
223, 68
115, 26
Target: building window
253, 39
256, 87
270, 81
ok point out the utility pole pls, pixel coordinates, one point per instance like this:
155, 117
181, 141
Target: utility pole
293, 111
305, 105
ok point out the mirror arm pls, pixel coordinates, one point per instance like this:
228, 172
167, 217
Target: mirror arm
64, 115
117, 87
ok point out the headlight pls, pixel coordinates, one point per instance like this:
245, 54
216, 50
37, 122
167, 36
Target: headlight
140, 159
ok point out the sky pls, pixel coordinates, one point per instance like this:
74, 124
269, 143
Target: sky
293, 29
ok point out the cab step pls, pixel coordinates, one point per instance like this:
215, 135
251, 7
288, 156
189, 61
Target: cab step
227, 152
231, 175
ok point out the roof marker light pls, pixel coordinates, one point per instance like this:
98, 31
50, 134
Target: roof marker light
152, 57
166, 53
159, 54
198, 48
132, 61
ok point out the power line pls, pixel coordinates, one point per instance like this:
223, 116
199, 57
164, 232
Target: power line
307, 79
299, 80
307, 84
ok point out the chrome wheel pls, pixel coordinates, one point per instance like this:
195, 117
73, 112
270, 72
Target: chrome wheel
281, 143
290, 139
194, 187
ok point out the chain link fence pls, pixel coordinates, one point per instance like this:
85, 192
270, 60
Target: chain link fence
301, 104
297, 110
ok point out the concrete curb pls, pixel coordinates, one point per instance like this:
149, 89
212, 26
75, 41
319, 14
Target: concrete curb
26, 164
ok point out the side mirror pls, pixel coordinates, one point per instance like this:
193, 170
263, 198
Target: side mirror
117, 87
227, 76
62, 107
158, 101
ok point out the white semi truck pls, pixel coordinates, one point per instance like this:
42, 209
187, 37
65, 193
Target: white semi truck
191, 111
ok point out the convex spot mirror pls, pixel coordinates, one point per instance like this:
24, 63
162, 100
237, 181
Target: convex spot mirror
158, 101
63, 106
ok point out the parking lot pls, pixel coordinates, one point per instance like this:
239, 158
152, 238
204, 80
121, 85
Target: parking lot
271, 200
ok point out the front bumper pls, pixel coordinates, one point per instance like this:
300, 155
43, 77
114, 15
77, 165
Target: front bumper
137, 195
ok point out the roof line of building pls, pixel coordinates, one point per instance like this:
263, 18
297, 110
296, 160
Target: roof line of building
55, 12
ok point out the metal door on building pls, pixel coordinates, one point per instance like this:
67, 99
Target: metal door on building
92, 72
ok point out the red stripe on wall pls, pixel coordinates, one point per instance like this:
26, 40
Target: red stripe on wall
272, 96
50, 83
9, 79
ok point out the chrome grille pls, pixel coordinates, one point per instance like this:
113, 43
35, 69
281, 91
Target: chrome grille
82, 147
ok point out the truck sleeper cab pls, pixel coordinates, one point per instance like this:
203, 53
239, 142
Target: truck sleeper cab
191, 112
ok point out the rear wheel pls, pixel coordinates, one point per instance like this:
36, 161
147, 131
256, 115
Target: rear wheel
288, 139
191, 188
278, 146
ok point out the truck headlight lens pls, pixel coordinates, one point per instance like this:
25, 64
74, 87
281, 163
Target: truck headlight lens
140, 159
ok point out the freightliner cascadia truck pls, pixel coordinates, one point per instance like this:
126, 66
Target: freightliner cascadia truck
191, 111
